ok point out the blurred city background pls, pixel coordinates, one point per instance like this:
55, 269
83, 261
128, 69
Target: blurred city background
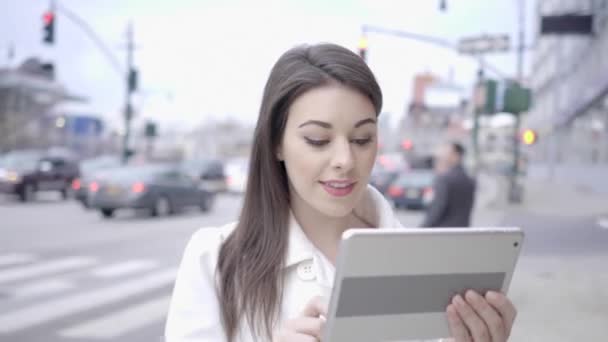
149, 106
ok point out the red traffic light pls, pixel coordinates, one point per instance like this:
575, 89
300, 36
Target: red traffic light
48, 31
48, 17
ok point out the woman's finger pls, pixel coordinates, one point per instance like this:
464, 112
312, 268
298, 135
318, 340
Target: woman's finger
457, 328
475, 325
316, 307
290, 336
489, 315
505, 307
307, 325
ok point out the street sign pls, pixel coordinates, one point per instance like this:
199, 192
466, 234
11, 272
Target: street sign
567, 24
491, 97
484, 44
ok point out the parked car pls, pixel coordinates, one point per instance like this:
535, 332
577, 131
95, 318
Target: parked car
88, 168
412, 190
381, 178
161, 189
209, 171
26, 172
236, 175
422, 162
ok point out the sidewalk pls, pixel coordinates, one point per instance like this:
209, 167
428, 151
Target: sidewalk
540, 197
558, 297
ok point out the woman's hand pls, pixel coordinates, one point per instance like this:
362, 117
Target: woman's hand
307, 327
481, 319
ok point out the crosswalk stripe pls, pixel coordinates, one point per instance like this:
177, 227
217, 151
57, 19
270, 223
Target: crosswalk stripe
123, 268
11, 259
121, 322
44, 287
44, 312
44, 268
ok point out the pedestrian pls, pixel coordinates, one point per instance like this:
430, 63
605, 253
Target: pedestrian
268, 276
453, 190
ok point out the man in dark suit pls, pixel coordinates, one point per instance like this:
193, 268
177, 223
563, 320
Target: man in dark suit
454, 190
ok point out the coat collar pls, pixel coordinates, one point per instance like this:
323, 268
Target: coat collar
373, 208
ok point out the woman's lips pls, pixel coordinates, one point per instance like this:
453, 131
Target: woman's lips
338, 188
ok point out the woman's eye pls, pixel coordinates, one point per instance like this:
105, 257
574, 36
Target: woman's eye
315, 142
362, 142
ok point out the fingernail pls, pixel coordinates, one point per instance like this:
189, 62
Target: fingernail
458, 300
472, 295
492, 295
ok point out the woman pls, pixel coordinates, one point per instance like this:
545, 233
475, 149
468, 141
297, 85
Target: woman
268, 276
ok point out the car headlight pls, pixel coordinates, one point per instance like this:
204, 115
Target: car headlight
13, 177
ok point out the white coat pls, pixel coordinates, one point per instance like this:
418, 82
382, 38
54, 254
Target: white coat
194, 313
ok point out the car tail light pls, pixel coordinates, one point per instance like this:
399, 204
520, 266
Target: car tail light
138, 187
76, 184
229, 180
395, 191
94, 187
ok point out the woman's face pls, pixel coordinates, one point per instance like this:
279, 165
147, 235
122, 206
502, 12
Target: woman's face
329, 146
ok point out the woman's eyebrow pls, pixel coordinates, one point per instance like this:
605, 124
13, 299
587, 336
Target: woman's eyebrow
316, 122
365, 121
329, 126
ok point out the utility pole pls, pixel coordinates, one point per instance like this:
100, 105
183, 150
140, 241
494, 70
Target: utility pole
476, 115
515, 189
129, 83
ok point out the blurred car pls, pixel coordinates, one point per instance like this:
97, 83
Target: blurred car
161, 189
26, 172
392, 162
412, 190
422, 162
88, 168
381, 178
236, 175
209, 171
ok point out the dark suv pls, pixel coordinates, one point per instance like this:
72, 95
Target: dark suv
23, 173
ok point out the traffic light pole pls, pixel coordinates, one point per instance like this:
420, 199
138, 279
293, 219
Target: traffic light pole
515, 189
439, 42
92, 35
128, 110
476, 114
130, 77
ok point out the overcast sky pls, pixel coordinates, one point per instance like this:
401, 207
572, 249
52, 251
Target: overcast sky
213, 57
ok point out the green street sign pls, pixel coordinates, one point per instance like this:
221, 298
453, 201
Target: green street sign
517, 99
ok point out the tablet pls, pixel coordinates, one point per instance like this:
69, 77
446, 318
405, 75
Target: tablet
395, 284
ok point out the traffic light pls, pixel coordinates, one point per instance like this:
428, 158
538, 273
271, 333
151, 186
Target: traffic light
49, 27
529, 137
363, 47
133, 80
151, 130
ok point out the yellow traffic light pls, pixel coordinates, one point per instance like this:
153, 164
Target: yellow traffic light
529, 137
363, 47
363, 42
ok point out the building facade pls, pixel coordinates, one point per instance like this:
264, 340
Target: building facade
569, 78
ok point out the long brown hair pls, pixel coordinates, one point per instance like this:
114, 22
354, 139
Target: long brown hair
252, 257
